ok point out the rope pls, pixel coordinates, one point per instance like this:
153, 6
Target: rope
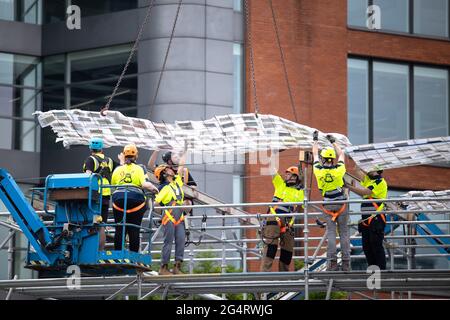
200, 238
165, 58
249, 44
130, 57
283, 62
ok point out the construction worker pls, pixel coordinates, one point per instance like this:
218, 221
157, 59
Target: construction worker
133, 180
371, 226
330, 180
279, 230
172, 160
98, 163
172, 219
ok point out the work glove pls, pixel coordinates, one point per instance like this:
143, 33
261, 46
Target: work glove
316, 136
331, 138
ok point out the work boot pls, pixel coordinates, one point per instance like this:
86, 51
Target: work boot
164, 270
266, 265
177, 268
332, 265
346, 265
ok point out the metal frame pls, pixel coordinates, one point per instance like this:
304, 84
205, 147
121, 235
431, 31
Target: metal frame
306, 281
411, 89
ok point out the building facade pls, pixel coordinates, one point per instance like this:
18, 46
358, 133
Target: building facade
371, 85
45, 65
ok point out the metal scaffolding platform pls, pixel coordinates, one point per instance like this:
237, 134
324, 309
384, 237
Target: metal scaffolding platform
401, 247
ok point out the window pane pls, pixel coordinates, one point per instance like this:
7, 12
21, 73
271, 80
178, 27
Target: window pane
89, 7
430, 102
394, 14
358, 101
93, 95
431, 17
6, 110
100, 63
237, 5
390, 102
54, 82
26, 102
7, 10
356, 12
237, 78
6, 101
54, 70
28, 11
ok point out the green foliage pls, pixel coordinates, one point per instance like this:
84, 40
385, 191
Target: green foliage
336, 295
298, 264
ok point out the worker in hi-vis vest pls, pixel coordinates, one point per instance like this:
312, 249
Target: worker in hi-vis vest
330, 180
98, 163
131, 180
371, 226
279, 230
171, 194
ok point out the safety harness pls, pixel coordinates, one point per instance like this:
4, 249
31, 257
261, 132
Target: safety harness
366, 222
283, 228
337, 194
168, 213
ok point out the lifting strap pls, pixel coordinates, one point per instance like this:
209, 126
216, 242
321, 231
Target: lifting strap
200, 238
283, 228
250, 49
130, 57
283, 60
335, 214
368, 221
158, 85
169, 217
137, 208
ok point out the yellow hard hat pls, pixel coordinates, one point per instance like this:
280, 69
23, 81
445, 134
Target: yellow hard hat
328, 153
293, 170
159, 170
130, 150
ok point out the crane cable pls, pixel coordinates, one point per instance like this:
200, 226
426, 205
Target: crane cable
130, 57
250, 47
283, 60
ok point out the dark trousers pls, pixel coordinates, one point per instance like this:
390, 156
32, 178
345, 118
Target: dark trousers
372, 243
134, 199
